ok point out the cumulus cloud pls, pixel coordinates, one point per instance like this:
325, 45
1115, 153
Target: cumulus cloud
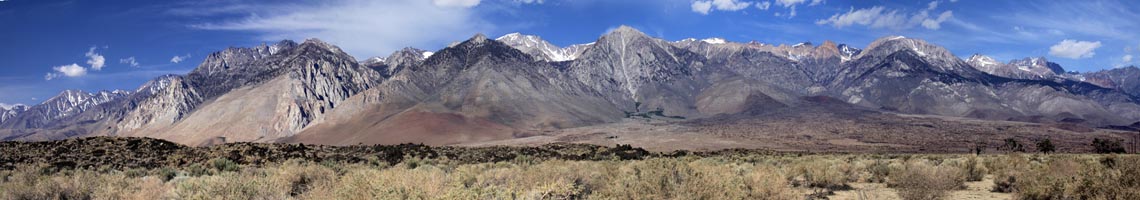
1126, 58
363, 28
704, 7
1074, 49
815, 2
129, 61
456, 3
789, 3
764, 5
881, 17
95, 59
730, 5
72, 70
936, 23
178, 59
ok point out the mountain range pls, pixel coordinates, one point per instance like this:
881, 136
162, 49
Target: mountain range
520, 89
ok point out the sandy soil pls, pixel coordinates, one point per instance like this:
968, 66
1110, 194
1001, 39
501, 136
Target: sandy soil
979, 190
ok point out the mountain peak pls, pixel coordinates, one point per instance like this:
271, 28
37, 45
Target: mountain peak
1038, 62
478, 38
829, 44
714, 40
890, 44
983, 62
511, 36
624, 30
319, 43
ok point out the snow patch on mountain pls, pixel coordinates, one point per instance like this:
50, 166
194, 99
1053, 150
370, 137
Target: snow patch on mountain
536, 46
714, 40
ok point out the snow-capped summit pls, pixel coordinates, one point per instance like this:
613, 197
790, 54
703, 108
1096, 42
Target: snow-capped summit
1027, 68
541, 49
68, 103
9, 106
984, 63
373, 60
714, 40
8, 111
848, 50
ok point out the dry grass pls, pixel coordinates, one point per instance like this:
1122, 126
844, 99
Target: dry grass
739, 177
1070, 177
922, 180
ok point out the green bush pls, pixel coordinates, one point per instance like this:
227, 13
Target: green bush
1106, 146
974, 171
224, 165
165, 173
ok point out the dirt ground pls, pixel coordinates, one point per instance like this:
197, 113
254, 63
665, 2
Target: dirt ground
979, 190
818, 131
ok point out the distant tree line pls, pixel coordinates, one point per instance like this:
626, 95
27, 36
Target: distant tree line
1046, 146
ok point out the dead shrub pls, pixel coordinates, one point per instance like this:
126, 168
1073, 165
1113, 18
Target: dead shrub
920, 180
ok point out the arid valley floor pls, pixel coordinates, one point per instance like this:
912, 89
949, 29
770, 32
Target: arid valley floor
140, 168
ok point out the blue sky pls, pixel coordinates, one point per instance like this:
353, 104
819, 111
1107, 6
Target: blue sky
136, 40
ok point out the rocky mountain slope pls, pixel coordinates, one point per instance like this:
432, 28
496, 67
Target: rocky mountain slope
541, 49
518, 86
10, 112
1028, 68
68, 103
477, 90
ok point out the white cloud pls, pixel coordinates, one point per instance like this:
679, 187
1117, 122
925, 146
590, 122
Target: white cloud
731, 5
815, 2
130, 61
870, 16
935, 24
95, 59
362, 28
932, 5
531, 1
764, 5
178, 59
456, 3
702, 7
881, 17
789, 3
72, 70
792, 3
1126, 58
1110, 20
1073, 49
